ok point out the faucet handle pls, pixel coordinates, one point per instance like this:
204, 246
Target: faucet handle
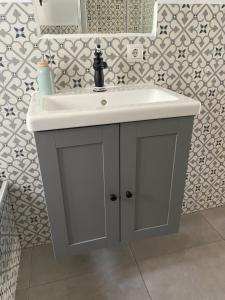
105, 65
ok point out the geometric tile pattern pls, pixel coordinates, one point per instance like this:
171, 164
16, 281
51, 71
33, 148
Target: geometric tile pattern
187, 56
147, 14
10, 251
19, 51
60, 29
106, 16
139, 15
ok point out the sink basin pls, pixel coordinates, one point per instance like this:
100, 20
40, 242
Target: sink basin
110, 99
83, 107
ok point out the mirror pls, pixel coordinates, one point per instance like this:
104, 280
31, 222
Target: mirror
96, 16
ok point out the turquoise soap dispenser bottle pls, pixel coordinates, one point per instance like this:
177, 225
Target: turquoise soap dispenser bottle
45, 79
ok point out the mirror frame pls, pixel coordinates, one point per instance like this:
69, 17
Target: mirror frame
97, 35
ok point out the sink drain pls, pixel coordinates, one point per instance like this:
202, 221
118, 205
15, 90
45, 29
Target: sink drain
104, 102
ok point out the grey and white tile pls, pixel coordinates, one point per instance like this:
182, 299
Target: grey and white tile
9, 249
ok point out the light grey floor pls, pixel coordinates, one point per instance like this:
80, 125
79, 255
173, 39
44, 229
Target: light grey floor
187, 266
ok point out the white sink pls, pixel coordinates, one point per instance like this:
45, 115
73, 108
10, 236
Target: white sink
93, 101
83, 107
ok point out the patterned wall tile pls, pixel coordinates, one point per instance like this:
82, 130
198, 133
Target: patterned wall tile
107, 16
187, 56
10, 250
18, 157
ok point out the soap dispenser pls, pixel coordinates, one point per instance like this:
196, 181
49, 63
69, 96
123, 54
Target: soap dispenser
45, 78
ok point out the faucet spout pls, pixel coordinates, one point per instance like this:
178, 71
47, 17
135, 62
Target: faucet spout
99, 65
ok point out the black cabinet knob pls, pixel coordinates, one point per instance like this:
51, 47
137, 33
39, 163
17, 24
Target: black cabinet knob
129, 194
113, 197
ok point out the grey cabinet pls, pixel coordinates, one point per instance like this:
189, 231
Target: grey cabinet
80, 170
106, 184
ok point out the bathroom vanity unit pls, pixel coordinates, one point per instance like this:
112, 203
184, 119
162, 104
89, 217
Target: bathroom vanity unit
112, 170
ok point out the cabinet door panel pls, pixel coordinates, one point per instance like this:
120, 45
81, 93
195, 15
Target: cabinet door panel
82, 178
153, 167
155, 160
80, 170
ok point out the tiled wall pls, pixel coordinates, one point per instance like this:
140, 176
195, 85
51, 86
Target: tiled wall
10, 250
187, 56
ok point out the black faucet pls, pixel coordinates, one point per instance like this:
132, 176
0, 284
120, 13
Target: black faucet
99, 66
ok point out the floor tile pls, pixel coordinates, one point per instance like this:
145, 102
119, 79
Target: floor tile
194, 231
46, 269
22, 294
192, 274
216, 217
53, 291
24, 270
124, 282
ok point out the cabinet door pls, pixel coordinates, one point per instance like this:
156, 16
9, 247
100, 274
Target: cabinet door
154, 157
80, 171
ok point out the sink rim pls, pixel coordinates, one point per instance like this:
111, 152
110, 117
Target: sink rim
43, 120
